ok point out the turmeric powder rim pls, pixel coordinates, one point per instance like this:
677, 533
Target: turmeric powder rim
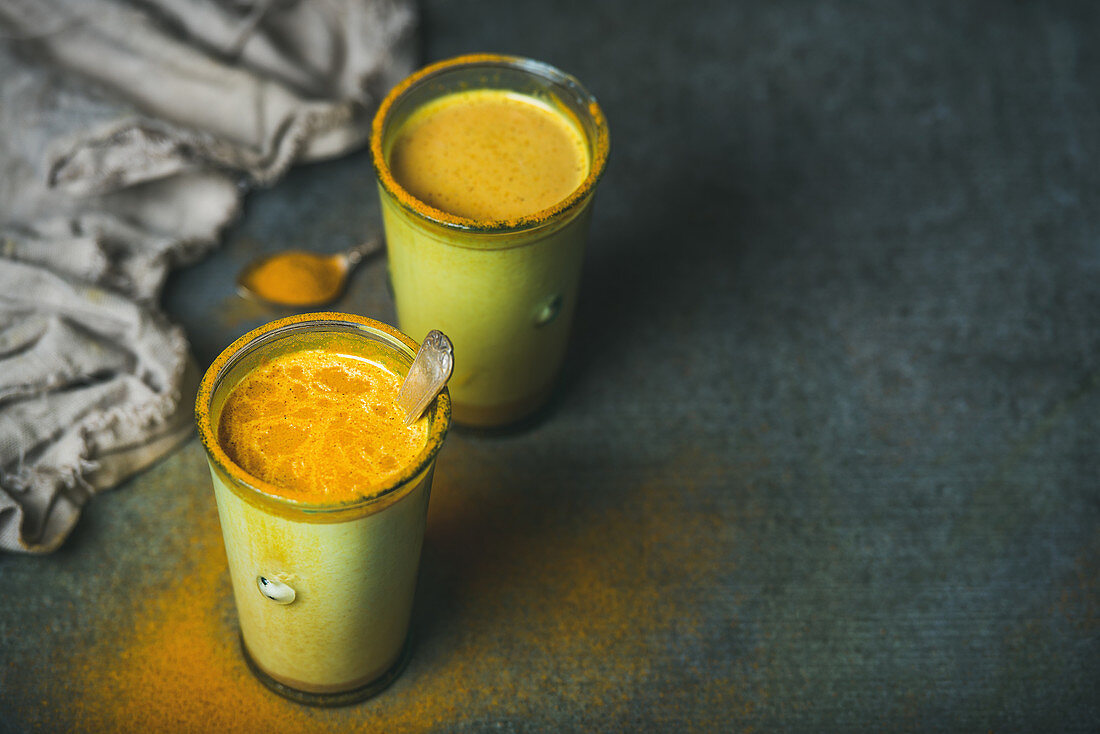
598, 159
257, 491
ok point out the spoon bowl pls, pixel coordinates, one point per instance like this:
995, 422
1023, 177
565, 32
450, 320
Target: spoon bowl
302, 278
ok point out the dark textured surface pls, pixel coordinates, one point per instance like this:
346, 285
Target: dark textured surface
825, 454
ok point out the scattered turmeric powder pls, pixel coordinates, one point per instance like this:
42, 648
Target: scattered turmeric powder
580, 594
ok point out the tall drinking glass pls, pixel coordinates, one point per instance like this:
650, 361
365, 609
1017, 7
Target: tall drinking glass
323, 587
502, 287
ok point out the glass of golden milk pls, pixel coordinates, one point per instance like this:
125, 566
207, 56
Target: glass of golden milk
322, 493
487, 166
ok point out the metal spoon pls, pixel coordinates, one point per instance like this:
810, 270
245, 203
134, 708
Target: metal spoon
304, 278
434, 363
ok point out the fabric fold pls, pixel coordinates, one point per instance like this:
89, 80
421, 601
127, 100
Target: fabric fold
130, 130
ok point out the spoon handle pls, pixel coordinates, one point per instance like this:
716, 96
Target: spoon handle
357, 253
428, 375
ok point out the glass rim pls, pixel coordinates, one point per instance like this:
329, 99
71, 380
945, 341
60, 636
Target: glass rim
597, 164
268, 493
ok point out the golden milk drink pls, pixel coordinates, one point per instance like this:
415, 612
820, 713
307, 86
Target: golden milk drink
487, 166
322, 493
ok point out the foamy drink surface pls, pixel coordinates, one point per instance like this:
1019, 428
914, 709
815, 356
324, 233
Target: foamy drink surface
320, 425
488, 155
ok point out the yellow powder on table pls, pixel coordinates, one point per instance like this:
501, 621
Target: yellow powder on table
488, 155
507, 573
320, 425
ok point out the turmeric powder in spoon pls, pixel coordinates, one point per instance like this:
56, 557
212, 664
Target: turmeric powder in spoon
301, 278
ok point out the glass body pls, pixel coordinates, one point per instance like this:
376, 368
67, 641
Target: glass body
503, 291
323, 591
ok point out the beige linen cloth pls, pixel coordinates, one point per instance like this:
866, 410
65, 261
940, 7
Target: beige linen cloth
129, 132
